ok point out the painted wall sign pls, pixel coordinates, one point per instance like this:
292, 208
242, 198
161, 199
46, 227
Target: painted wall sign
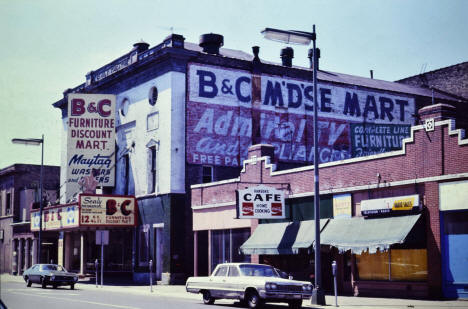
369, 138
56, 218
90, 140
107, 210
453, 195
227, 109
260, 202
342, 206
390, 204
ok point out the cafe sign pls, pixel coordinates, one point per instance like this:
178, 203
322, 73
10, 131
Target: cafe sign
260, 202
107, 210
390, 204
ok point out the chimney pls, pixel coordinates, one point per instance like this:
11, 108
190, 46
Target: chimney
262, 150
440, 111
311, 57
174, 40
372, 74
287, 54
211, 43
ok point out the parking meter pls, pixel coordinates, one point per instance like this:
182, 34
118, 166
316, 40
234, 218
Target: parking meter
334, 272
151, 274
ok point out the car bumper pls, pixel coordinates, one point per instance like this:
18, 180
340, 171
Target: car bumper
279, 296
62, 281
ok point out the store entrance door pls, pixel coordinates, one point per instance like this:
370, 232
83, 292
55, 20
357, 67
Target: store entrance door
455, 254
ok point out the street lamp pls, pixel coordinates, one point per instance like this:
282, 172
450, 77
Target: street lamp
36, 142
304, 38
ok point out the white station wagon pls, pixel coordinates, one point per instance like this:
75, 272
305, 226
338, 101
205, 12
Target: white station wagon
252, 284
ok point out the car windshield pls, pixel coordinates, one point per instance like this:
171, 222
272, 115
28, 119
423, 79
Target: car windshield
52, 267
258, 271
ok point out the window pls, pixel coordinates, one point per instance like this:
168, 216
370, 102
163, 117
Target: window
233, 272
124, 107
225, 244
207, 173
394, 265
153, 96
222, 271
8, 204
152, 169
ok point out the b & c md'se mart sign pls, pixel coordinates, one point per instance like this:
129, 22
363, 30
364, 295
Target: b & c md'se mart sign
107, 210
260, 202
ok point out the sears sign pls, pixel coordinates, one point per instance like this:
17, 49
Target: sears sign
260, 202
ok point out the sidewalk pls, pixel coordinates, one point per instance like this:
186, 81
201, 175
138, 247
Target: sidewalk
344, 302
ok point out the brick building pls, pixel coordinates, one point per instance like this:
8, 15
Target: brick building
19, 193
416, 252
452, 80
187, 114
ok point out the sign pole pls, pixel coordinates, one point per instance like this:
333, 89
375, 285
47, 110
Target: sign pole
96, 263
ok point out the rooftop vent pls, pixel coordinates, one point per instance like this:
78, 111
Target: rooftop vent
287, 54
311, 57
211, 43
141, 46
174, 40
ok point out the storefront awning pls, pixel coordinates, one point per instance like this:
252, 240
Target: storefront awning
281, 238
359, 234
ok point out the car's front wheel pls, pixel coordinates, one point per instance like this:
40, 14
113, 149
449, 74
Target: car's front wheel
253, 300
207, 298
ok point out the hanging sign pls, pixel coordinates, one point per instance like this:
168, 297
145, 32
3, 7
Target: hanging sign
260, 202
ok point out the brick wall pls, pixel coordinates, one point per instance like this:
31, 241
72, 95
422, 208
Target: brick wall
453, 79
413, 170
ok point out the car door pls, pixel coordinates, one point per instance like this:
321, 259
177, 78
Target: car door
234, 283
218, 282
34, 274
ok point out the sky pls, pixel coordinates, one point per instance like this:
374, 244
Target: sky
48, 46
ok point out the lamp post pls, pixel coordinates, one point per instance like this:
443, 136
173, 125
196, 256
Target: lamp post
36, 142
304, 38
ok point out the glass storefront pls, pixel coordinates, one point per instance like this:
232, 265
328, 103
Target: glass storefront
225, 246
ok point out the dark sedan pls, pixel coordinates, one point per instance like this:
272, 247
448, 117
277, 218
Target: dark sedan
49, 274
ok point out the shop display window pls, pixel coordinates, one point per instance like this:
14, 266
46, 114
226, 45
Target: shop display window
225, 246
393, 265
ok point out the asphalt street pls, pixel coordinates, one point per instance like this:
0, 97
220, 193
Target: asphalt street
15, 295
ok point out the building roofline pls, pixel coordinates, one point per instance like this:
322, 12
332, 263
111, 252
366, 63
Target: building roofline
433, 71
115, 69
